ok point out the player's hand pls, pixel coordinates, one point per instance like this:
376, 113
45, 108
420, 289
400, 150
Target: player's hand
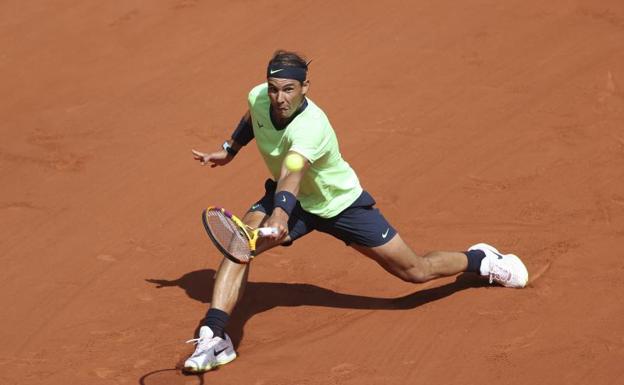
278, 220
219, 158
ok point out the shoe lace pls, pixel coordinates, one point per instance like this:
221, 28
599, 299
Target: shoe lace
202, 343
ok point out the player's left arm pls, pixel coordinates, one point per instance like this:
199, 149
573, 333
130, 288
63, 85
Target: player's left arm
285, 195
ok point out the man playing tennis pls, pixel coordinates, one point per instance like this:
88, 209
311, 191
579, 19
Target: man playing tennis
325, 195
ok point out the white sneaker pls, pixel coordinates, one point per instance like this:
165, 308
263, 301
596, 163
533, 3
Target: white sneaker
505, 269
210, 352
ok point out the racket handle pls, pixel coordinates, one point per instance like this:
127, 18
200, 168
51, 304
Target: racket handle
266, 231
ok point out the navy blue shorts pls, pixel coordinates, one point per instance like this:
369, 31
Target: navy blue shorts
360, 223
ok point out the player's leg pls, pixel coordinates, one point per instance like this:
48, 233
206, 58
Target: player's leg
363, 227
400, 260
231, 277
214, 346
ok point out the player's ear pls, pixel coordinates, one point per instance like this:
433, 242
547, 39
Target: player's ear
304, 86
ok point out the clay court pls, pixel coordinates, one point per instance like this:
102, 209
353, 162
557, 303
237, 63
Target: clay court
472, 121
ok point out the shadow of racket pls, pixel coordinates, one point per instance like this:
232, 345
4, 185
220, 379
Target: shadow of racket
169, 376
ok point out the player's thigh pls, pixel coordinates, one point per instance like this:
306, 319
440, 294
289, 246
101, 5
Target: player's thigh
395, 255
255, 218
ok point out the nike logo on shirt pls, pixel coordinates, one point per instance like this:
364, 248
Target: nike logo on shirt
384, 235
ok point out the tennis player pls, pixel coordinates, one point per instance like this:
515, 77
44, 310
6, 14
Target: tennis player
325, 195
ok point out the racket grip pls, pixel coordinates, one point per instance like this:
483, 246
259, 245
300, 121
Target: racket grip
266, 231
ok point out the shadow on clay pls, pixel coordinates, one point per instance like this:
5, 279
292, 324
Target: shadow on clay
263, 296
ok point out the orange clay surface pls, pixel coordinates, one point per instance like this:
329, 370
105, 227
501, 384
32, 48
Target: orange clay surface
469, 121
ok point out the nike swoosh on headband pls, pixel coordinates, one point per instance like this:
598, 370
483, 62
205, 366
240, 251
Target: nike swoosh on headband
276, 71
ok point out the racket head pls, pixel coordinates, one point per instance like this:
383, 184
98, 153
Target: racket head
229, 234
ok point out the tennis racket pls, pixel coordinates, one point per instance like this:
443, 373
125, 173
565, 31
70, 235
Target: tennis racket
233, 238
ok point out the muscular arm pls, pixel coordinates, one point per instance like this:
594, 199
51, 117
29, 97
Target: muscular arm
288, 181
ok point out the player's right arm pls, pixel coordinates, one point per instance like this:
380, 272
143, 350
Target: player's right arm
242, 135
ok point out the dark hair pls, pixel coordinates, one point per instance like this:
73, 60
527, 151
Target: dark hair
289, 59
283, 58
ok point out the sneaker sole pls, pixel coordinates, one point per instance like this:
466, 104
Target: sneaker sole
208, 368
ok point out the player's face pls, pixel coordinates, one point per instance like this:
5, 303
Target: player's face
286, 96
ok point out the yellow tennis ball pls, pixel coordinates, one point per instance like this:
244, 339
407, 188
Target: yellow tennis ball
294, 162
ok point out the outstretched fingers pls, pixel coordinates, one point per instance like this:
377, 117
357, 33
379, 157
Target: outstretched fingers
200, 156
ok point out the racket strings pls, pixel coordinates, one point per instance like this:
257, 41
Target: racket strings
229, 235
